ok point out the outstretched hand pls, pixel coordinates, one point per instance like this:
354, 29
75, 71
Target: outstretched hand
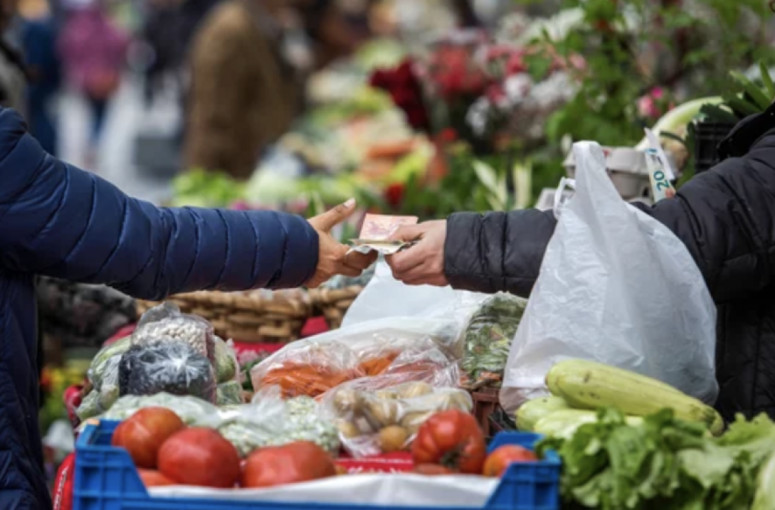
333, 257
423, 263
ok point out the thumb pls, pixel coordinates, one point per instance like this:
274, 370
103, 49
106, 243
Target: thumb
408, 233
338, 214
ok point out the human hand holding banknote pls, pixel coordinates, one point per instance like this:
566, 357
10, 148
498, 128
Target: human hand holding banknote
333, 257
422, 263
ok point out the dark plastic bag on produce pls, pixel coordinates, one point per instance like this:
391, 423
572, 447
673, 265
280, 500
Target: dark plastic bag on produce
169, 365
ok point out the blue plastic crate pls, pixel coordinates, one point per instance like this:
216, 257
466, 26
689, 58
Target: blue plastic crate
106, 479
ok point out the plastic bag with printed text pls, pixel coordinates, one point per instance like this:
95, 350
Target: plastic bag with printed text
618, 287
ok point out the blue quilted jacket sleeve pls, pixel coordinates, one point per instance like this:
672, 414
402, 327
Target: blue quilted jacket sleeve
61, 221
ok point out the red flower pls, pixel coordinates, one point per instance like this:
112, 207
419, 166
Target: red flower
495, 93
506, 59
394, 194
455, 72
405, 90
516, 63
447, 135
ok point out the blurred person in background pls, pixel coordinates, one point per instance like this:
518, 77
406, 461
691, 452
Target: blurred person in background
38, 40
169, 28
248, 63
13, 72
93, 51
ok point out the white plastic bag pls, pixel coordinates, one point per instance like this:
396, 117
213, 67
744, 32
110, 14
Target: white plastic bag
618, 287
385, 297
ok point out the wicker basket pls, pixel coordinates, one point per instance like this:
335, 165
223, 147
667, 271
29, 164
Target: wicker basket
253, 316
333, 303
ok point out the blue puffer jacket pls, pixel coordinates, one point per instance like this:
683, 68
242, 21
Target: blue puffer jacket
60, 221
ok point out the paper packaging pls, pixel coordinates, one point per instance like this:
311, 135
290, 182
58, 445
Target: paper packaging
376, 231
395, 489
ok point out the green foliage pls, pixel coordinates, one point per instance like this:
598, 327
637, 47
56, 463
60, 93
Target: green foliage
631, 46
663, 463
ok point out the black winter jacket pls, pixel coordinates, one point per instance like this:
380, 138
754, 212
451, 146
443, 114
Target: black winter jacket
726, 218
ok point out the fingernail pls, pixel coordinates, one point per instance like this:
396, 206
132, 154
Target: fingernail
350, 203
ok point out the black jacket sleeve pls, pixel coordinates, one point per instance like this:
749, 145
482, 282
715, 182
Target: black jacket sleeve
725, 216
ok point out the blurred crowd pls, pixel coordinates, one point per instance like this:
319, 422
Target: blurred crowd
236, 68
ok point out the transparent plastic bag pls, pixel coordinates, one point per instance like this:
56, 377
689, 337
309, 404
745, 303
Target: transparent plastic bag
271, 421
193, 411
103, 376
313, 366
166, 321
229, 393
307, 368
487, 339
382, 414
170, 366
225, 361
386, 297
618, 287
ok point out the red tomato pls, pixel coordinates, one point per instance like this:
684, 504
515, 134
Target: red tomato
144, 432
152, 478
200, 456
300, 461
432, 470
499, 460
453, 439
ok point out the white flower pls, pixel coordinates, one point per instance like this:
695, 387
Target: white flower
477, 116
517, 87
556, 88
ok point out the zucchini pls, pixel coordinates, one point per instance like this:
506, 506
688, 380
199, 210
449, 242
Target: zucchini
531, 411
591, 385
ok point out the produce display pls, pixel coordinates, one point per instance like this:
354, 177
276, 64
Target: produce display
374, 393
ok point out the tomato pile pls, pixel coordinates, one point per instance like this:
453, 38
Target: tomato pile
167, 452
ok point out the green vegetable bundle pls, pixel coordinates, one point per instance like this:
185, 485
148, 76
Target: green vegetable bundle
488, 339
662, 463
